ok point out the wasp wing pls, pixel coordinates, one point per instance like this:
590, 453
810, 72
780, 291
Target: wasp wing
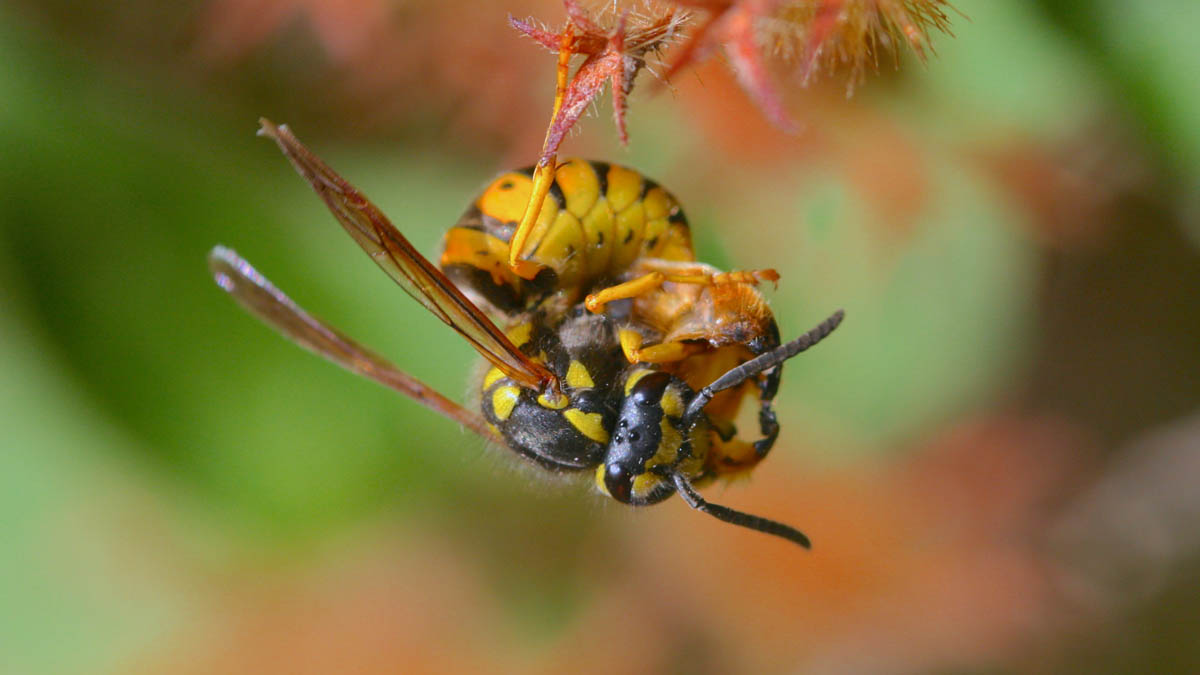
401, 261
262, 299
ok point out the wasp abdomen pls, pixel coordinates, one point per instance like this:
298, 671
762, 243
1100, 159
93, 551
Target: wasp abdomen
570, 432
596, 221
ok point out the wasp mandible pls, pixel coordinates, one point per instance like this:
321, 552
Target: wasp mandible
620, 355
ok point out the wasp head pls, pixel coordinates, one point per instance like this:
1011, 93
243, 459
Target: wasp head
648, 443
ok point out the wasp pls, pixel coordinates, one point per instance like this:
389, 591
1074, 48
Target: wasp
609, 229
620, 355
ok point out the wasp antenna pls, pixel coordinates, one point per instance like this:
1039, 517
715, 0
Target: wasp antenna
735, 517
763, 362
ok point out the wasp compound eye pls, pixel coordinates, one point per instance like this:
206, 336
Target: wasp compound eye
619, 481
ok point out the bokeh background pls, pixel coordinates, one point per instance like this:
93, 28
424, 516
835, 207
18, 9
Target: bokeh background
997, 456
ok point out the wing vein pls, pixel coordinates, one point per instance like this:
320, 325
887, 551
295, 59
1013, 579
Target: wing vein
400, 260
262, 299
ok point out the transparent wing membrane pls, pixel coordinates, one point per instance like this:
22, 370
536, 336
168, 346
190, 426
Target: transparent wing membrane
400, 260
262, 299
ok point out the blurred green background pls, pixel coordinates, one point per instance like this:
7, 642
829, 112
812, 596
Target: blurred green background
996, 455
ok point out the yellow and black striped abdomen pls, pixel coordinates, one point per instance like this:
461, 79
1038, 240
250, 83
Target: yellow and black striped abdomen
570, 433
596, 221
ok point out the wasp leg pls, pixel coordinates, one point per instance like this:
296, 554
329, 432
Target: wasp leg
685, 273
752, 277
761, 363
769, 424
662, 272
706, 275
595, 302
665, 352
543, 175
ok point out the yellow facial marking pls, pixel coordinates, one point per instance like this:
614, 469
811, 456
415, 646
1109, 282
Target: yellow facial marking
578, 376
644, 483
668, 447
672, 402
495, 430
520, 334
692, 467
588, 424
491, 377
504, 399
634, 377
600, 481
556, 404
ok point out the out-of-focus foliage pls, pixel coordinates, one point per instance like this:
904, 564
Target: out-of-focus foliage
1016, 382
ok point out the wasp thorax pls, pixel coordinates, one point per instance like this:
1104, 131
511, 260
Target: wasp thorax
647, 442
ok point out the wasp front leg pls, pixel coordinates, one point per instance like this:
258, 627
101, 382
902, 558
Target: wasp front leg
543, 174
664, 352
706, 275
595, 302
543, 177
662, 271
705, 278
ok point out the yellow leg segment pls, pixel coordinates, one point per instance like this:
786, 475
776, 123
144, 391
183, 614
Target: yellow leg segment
667, 352
630, 289
651, 281
631, 341
703, 276
543, 175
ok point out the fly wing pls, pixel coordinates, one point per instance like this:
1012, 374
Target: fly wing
401, 261
262, 299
